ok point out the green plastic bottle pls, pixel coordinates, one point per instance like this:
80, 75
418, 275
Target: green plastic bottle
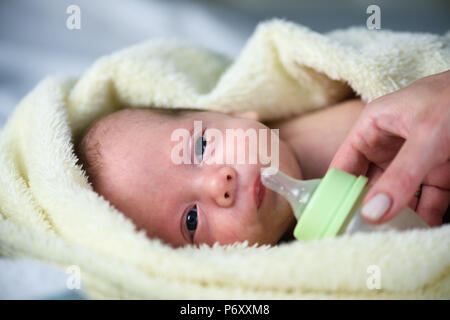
331, 206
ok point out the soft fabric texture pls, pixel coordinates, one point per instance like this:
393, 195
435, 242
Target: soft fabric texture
50, 212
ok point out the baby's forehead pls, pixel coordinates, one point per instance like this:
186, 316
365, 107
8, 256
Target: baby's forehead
127, 128
137, 116
119, 122
131, 130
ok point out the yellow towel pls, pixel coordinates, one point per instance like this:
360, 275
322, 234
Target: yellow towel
50, 212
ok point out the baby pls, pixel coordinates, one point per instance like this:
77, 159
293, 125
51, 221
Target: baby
127, 156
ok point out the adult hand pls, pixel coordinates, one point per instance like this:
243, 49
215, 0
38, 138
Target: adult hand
402, 143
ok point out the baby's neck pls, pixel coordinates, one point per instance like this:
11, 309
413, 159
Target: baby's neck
315, 137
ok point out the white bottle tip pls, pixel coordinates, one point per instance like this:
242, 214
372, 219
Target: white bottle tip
296, 192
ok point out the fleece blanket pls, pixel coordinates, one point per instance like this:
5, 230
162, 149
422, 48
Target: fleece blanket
50, 212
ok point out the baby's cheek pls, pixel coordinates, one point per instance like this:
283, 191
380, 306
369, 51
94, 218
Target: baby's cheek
227, 230
237, 228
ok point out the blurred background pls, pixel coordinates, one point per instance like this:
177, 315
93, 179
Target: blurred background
35, 42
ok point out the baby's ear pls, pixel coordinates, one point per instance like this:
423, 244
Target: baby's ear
251, 115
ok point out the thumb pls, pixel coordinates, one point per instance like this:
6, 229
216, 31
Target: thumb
395, 188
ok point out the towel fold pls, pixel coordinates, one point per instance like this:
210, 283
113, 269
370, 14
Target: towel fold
50, 212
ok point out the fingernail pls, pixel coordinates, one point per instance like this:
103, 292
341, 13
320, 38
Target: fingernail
376, 207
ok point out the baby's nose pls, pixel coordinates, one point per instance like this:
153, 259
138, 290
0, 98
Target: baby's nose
222, 186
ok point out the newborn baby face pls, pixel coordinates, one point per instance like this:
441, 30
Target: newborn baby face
184, 203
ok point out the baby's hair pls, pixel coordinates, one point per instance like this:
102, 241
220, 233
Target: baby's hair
88, 150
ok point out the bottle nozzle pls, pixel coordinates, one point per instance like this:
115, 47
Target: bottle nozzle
296, 192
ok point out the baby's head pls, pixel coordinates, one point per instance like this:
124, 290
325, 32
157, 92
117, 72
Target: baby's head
128, 157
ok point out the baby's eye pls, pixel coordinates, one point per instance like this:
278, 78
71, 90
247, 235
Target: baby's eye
191, 220
199, 148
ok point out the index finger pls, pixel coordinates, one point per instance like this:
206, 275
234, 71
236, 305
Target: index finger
348, 158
